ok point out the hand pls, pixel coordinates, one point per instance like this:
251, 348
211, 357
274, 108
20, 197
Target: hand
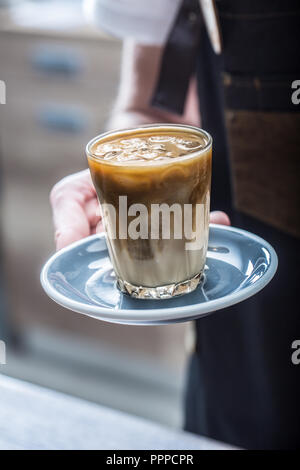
76, 210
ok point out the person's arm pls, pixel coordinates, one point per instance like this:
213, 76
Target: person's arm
139, 74
73, 199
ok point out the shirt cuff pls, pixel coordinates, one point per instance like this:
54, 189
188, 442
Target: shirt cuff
147, 22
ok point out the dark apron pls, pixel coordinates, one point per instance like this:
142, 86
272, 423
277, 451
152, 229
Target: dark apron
243, 387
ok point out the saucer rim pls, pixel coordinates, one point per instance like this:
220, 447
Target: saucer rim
161, 313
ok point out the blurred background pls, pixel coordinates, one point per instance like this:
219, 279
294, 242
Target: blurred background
61, 79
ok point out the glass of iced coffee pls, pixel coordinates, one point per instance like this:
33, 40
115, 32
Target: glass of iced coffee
153, 185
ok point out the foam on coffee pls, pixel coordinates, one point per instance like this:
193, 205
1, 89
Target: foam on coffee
143, 147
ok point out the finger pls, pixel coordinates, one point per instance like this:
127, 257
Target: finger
68, 199
92, 209
77, 181
70, 222
219, 217
99, 227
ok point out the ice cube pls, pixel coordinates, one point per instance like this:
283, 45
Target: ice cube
185, 144
112, 155
150, 155
159, 147
134, 143
160, 138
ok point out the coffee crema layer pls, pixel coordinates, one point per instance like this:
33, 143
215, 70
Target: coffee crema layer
144, 146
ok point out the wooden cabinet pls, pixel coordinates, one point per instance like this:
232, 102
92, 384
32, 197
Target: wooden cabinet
59, 95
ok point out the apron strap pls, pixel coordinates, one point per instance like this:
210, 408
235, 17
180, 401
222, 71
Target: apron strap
179, 59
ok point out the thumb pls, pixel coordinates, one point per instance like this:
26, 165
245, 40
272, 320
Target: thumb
219, 217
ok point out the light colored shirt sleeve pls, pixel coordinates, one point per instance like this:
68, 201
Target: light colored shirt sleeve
146, 21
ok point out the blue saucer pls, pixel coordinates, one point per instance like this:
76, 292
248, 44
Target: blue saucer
80, 278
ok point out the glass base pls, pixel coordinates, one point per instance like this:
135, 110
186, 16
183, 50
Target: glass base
161, 292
